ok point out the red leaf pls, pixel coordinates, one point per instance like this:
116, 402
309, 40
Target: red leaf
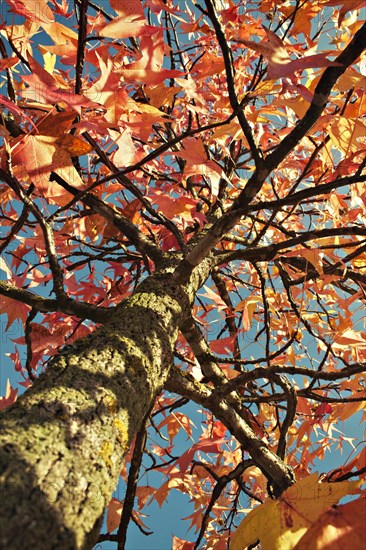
280, 64
32, 11
180, 544
43, 88
207, 445
10, 396
114, 514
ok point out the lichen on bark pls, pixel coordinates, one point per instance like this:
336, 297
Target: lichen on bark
64, 441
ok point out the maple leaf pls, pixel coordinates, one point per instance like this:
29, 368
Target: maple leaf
46, 340
346, 133
10, 396
114, 513
206, 445
280, 524
170, 206
181, 544
174, 423
8, 62
198, 164
65, 40
215, 297
36, 156
43, 88
158, 6
223, 346
149, 68
248, 307
32, 11
337, 528
14, 310
280, 64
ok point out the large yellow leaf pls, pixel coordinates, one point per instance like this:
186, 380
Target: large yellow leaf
280, 524
344, 133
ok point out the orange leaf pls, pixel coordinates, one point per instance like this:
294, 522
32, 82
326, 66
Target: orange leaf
180, 544
281, 523
32, 11
74, 145
56, 124
10, 396
338, 528
114, 514
36, 156
279, 62
8, 62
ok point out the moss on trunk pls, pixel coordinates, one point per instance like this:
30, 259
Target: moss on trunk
64, 441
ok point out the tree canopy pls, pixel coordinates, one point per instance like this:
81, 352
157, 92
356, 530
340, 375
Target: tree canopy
183, 205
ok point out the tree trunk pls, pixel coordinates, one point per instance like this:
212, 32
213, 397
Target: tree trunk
64, 440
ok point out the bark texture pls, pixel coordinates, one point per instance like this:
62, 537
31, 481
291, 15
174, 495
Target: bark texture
63, 442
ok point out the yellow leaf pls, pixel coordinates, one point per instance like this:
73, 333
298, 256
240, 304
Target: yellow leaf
248, 307
49, 59
344, 132
280, 524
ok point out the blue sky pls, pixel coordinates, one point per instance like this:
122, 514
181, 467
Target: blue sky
168, 520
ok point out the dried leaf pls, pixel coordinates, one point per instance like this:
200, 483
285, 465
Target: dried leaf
280, 524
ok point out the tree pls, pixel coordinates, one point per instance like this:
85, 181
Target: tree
183, 204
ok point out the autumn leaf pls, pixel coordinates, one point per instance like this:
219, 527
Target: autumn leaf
174, 423
113, 514
10, 396
8, 62
198, 164
181, 544
337, 528
215, 297
206, 445
157, 6
120, 28
280, 64
36, 156
32, 11
280, 524
223, 346
346, 133
44, 88
13, 310
149, 68
248, 307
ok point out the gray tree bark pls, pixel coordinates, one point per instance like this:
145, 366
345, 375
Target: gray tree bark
63, 442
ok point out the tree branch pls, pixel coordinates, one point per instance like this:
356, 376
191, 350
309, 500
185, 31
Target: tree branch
137, 238
80, 55
320, 98
266, 372
279, 474
57, 275
83, 310
133, 473
229, 70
